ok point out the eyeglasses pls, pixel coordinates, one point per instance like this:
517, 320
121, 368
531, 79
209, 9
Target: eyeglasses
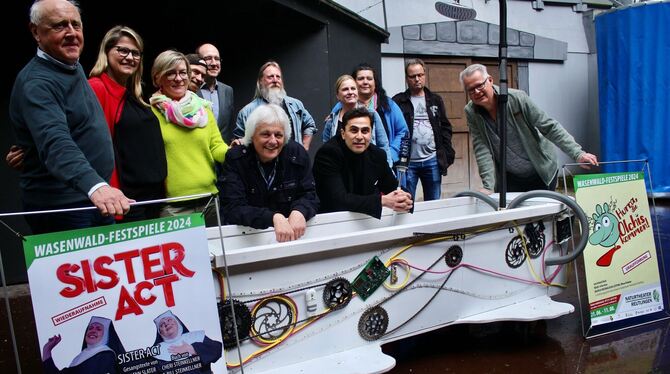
124, 52
172, 75
477, 87
210, 58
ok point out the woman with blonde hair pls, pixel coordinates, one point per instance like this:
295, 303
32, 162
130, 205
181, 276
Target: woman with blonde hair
191, 136
346, 92
140, 167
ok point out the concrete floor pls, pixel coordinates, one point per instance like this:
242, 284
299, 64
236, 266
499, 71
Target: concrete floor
551, 346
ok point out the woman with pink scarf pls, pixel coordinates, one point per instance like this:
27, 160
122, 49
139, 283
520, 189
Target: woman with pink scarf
191, 136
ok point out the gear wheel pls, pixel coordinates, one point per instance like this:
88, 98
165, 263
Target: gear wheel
535, 247
337, 293
535, 239
453, 256
273, 318
242, 319
373, 323
515, 255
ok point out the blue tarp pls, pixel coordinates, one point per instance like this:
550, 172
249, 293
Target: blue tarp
634, 87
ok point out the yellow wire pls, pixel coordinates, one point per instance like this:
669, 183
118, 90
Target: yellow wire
393, 259
294, 312
221, 283
408, 269
294, 330
530, 265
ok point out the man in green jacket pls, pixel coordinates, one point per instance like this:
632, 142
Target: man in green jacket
531, 161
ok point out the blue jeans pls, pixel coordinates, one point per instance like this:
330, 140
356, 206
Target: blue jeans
429, 173
61, 221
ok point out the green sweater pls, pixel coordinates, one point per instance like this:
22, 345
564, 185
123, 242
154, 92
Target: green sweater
190, 156
535, 130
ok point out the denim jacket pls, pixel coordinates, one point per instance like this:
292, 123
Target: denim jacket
379, 137
301, 121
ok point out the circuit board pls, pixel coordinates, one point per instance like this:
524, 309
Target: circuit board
370, 278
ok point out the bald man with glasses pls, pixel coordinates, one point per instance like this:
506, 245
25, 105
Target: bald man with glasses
531, 161
218, 93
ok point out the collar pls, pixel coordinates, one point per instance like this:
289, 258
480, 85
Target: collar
44, 55
113, 87
214, 82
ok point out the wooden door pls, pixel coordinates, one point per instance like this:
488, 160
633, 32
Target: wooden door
442, 79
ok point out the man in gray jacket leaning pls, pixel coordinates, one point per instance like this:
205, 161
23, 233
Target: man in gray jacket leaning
531, 161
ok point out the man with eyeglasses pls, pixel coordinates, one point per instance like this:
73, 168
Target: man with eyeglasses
60, 127
217, 92
531, 161
431, 152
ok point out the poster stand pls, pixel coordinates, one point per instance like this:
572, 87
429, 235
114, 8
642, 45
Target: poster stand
213, 202
588, 330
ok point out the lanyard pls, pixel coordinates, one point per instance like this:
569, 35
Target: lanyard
270, 178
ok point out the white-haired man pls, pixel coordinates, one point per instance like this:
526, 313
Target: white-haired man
268, 181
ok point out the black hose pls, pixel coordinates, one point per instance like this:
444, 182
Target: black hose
481, 196
579, 247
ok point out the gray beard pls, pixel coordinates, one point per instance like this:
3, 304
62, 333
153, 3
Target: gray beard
274, 95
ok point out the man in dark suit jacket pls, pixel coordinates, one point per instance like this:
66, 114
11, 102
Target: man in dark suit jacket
220, 94
352, 174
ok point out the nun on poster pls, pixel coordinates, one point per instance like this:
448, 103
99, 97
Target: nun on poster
99, 349
188, 351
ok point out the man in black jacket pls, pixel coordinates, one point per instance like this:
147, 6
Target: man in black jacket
352, 174
267, 181
431, 152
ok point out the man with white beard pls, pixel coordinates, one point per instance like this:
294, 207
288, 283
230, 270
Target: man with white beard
270, 89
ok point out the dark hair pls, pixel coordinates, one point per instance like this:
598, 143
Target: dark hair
382, 98
195, 59
357, 113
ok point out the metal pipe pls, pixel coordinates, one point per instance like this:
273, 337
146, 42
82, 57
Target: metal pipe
502, 105
481, 196
581, 216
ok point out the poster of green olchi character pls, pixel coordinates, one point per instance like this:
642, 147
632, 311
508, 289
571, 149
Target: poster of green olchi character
620, 259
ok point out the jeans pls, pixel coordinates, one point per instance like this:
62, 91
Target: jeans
61, 221
429, 173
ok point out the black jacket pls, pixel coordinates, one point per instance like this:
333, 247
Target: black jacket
437, 115
245, 198
349, 181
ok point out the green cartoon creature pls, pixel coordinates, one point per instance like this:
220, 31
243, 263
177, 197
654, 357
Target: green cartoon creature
605, 232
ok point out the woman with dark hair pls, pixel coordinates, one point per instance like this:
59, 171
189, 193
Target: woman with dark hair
98, 354
177, 343
373, 96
